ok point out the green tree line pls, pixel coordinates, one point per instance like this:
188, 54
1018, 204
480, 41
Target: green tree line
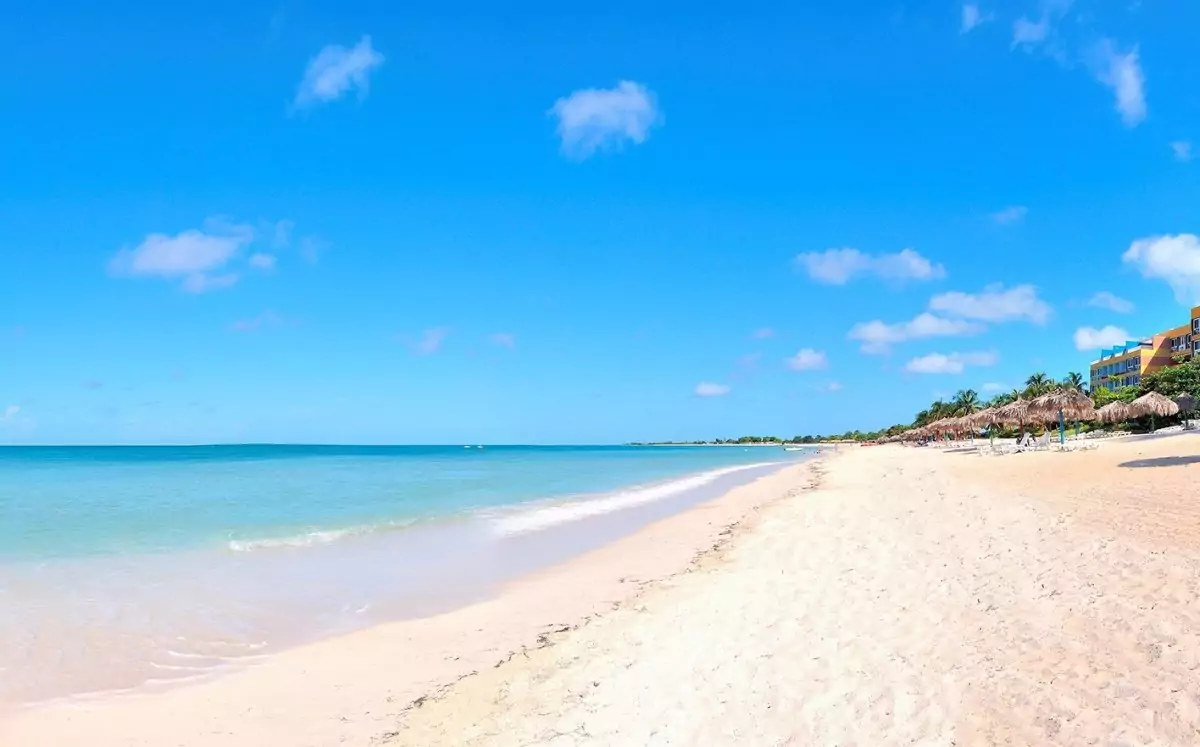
1182, 378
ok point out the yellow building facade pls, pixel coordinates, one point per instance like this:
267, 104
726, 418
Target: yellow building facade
1125, 365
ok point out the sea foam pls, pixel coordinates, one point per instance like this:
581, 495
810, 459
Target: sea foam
544, 517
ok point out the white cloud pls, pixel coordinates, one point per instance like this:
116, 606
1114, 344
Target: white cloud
1027, 33
952, 363
972, 17
281, 234
749, 361
1182, 150
335, 71
765, 333
1106, 300
204, 283
1175, 259
709, 389
808, 359
265, 319
311, 248
262, 261
1090, 338
1123, 74
431, 340
994, 304
830, 388
596, 119
878, 337
10, 412
193, 255
1011, 214
503, 339
839, 266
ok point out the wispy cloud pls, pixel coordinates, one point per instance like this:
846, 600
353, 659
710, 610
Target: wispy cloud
1027, 33
200, 260
749, 362
93, 384
503, 339
311, 248
992, 387
1182, 149
949, 363
1040, 34
1106, 300
264, 320
1173, 259
1010, 215
808, 359
281, 234
839, 266
197, 257
1119, 70
764, 333
262, 261
10, 412
994, 304
831, 387
1122, 72
605, 119
1090, 338
709, 389
878, 336
972, 18
431, 340
336, 71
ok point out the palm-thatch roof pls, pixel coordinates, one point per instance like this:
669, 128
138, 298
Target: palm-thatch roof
983, 417
1153, 404
1014, 413
1072, 403
1114, 412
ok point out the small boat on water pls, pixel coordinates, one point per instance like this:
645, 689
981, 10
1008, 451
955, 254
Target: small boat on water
793, 448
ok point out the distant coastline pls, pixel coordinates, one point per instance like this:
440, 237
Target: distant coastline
775, 444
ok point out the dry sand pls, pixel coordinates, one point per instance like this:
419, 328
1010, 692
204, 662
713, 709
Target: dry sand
915, 597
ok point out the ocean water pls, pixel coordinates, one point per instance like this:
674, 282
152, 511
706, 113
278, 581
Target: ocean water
123, 568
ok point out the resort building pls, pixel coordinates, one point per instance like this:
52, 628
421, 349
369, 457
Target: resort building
1126, 364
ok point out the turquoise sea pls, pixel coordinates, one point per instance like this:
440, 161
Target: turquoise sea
124, 567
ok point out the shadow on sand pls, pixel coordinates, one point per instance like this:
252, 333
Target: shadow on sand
1171, 461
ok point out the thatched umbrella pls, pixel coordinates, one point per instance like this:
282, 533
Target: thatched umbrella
1071, 403
983, 417
1153, 404
1014, 413
1113, 412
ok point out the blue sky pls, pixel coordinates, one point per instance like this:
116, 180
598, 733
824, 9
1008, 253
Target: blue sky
544, 223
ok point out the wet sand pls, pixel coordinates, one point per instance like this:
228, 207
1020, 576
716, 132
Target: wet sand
913, 597
353, 689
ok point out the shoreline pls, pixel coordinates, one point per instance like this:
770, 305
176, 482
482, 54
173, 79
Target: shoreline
347, 670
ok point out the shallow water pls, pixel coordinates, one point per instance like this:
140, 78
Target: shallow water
122, 569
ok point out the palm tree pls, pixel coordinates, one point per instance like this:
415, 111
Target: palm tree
966, 402
1038, 383
1073, 380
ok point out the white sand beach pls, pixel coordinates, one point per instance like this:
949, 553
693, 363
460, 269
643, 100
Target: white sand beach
911, 597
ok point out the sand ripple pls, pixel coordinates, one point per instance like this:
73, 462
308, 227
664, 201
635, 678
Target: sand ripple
899, 604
